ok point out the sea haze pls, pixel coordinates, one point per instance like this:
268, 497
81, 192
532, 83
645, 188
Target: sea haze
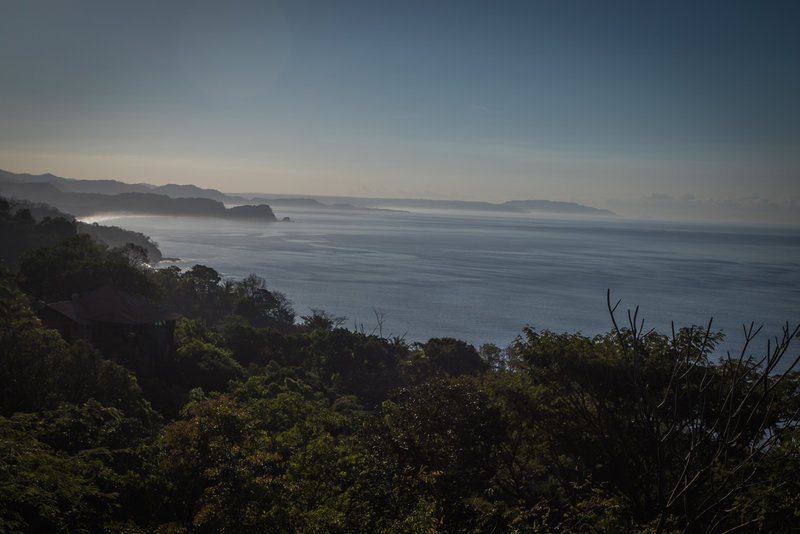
483, 278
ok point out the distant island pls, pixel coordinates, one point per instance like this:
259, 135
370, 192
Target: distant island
92, 197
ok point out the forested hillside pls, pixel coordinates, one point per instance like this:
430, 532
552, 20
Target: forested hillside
27, 225
263, 421
89, 204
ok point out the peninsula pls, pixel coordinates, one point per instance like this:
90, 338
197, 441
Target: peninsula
91, 197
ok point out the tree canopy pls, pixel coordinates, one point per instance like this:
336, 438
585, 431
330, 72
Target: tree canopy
258, 423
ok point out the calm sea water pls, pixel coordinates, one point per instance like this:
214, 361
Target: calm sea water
482, 278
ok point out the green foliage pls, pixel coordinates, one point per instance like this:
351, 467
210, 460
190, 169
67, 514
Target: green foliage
77, 265
774, 503
451, 356
257, 346
20, 233
439, 441
38, 369
201, 293
217, 464
188, 330
320, 319
42, 490
200, 361
650, 418
269, 462
26, 353
355, 364
263, 308
590, 510
73, 428
121, 239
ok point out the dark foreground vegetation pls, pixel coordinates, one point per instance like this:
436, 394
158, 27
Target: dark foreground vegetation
262, 421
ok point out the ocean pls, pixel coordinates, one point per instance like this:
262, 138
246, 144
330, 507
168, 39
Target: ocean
484, 277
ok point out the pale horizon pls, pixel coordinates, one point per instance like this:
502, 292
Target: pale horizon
678, 111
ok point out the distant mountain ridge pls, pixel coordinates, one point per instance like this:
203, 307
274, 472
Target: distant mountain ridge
115, 187
117, 197
176, 191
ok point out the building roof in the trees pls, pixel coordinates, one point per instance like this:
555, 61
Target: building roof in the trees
109, 304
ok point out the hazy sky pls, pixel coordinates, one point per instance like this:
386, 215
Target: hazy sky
688, 109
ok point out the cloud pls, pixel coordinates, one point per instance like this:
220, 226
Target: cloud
659, 197
751, 203
690, 207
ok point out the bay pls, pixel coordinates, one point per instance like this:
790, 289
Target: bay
483, 278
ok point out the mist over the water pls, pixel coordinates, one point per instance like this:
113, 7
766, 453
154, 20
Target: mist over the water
483, 278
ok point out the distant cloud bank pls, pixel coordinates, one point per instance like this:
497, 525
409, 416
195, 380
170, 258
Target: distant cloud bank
750, 209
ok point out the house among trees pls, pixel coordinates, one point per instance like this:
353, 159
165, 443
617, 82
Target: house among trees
119, 324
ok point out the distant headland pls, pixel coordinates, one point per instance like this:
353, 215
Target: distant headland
84, 198
94, 197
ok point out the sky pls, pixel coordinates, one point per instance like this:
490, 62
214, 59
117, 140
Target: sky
679, 109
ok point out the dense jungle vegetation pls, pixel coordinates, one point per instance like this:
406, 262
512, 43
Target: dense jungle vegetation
263, 421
